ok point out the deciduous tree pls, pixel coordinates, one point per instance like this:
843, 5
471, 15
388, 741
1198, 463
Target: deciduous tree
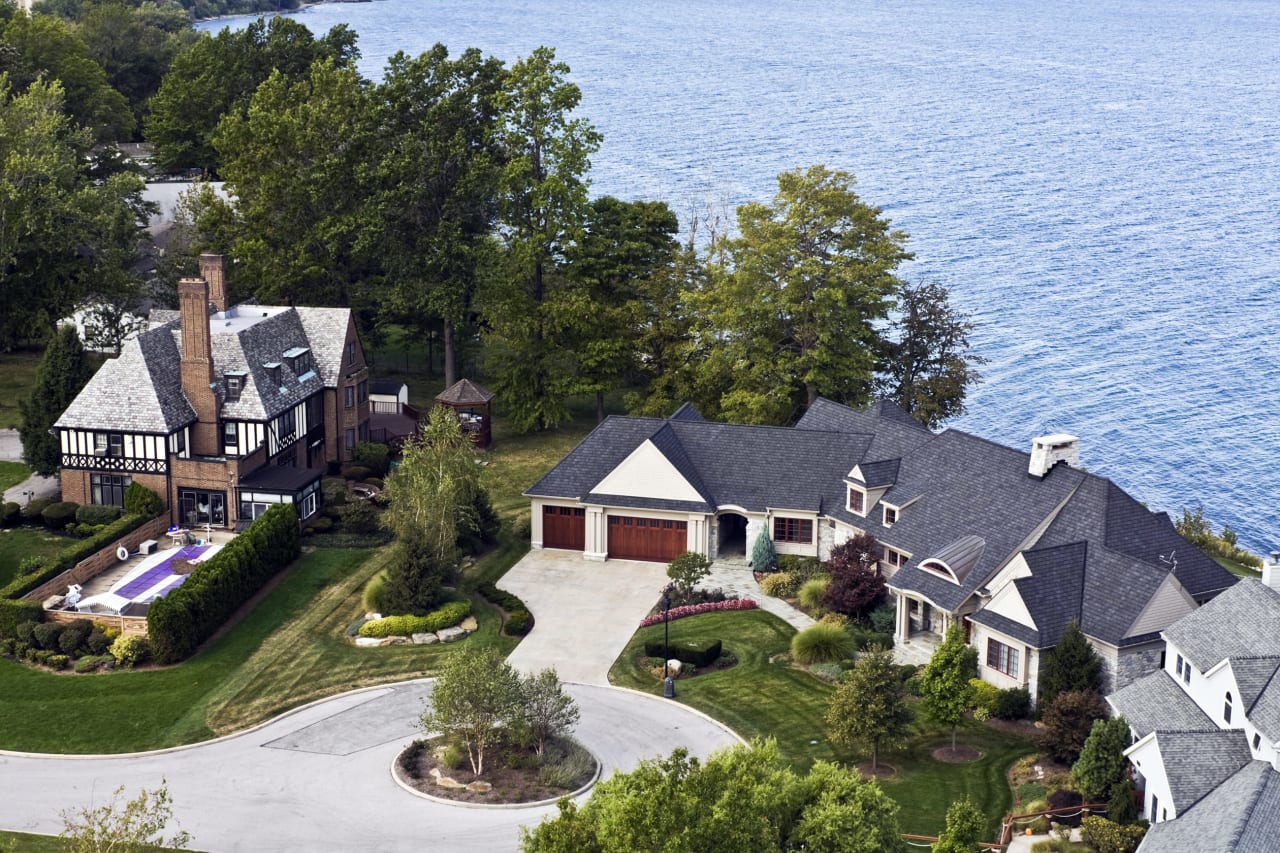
132, 826
926, 366
63, 371
856, 585
944, 682
869, 707
1068, 720
964, 828
476, 695
546, 711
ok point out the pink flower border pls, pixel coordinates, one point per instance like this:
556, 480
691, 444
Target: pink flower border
695, 609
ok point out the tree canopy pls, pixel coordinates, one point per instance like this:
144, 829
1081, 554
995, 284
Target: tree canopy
1102, 766
944, 682
63, 371
869, 706
1072, 664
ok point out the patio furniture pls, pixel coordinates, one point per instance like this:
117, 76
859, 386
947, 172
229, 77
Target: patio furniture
146, 546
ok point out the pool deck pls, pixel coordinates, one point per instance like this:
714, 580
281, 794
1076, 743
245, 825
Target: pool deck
112, 575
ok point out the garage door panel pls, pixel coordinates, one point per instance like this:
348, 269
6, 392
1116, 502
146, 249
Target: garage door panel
564, 527
653, 539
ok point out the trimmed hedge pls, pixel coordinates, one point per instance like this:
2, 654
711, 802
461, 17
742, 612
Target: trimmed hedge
10, 514
14, 611
58, 515
693, 652
403, 626
519, 619
97, 514
179, 622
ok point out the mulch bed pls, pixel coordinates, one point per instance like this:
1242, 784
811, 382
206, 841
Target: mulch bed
1025, 728
882, 771
510, 784
721, 663
960, 755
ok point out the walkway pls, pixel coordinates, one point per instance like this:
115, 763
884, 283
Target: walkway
584, 612
41, 487
319, 779
735, 577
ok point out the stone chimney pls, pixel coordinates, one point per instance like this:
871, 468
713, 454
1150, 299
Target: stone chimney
213, 269
1049, 450
1271, 570
197, 364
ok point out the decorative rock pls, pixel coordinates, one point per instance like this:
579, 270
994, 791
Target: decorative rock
448, 635
435, 772
673, 666
478, 787
368, 641
371, 616
395, 641
469, 624
449, 782
425, 639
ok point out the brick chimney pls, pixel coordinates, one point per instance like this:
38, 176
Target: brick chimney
197, 364
213, 269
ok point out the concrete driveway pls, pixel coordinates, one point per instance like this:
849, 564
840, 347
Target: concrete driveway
584, 612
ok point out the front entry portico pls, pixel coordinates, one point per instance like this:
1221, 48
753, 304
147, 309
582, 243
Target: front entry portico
919, 627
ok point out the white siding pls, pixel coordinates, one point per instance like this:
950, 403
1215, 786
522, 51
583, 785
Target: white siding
647, 473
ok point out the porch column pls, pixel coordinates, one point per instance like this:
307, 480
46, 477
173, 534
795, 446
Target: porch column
902, 625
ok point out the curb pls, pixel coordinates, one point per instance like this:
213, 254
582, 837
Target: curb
496, 806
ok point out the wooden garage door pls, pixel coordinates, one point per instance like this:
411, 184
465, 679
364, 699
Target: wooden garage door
656, 539
564, 527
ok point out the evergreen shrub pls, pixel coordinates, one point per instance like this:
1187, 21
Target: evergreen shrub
139, 500
779, 585
73, 636
1013, 703
403, 626
33, 512
696, 652
46, 634
10, 514
97, 514
58, 515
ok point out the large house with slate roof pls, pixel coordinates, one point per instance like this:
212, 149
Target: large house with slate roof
1011, 545
1206, 726
221, 410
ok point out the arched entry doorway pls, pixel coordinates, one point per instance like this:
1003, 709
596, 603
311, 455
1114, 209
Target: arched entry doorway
731, 541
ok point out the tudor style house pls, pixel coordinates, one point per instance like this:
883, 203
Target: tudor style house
1206, 726
221, 410
1010, 545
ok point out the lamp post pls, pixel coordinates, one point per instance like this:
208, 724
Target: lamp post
668, 683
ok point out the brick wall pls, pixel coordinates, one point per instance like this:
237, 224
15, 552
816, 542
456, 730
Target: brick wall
125, 624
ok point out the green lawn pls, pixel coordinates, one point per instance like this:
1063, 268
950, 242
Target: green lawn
287, 651
26, 842
11, 474
17, 377
760, 699
1237, 569
19, 542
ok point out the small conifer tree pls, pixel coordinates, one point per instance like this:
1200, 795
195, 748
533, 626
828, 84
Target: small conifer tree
764, 558
1072, 665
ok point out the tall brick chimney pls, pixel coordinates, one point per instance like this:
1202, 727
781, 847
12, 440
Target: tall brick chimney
197, 364
213, 269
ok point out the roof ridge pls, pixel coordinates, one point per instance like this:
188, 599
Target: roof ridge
1250, 804
1263, 691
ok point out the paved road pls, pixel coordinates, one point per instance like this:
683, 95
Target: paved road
11, 451
320, 779
584, 611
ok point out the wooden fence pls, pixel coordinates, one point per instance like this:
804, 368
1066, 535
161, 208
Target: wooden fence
93, 565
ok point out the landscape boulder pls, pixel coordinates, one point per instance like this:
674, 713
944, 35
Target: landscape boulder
448, 635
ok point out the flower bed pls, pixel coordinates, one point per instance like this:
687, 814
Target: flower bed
695, 609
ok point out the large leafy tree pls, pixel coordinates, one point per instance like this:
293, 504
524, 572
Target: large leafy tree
432, 188
534, 311
63, 371
856, 584
475, 697
869, 707
797, 295
288, 160
1072, 664
217, 74
744, 798
927, 366
945, 693
1068, 722
65, 231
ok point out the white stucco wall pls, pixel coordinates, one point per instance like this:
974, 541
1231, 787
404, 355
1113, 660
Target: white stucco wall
1146, 759
647, 473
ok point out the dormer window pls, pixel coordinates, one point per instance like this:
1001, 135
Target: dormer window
890, 516
273, 372
233, 381
299, 359
857, 501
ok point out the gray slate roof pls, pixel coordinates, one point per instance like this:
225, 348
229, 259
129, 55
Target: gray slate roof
1239, 817
1242, 622
1155, 702
139, 391
250, 350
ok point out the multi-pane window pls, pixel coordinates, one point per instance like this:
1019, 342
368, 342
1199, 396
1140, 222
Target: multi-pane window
1002, 658
108, 489
108, 444
230, 435
348, 397
798, 530
1179, 666
362, 391
857, 501
349, 438
894, 558
351, 352
890, 516
234, 383
288, 422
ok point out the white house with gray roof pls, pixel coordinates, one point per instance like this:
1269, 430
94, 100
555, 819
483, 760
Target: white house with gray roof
222, 410
1206, 726
1012, 545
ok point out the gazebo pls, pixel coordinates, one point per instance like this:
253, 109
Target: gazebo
471, 403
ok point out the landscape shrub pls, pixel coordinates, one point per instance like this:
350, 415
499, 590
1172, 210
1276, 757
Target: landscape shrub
58, 515
1013, 703
764, 557
1069, 801
33, 512
694, 609
695, 652
335, 492
802, 568
129, 650
985, 698
25, 632
519, 619
322, 523
46, 635
355, 472
687, 571
372, 597
359, 517
403, 626
856, 583
522, 528
375, 457
884, 618
93, 663
97, 642
139, 500
1067, 722
10, 514
180, 621
835, 619
453, 756
865, 638
1107, 837
779, 585
812, 592
73, 636
351, 540
57, 661
519, 622
97, 514
376, 482
822, 644
829, 672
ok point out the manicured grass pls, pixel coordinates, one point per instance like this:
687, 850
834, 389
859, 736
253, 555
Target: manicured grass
11, 474
1237, 569
760, 699
18, 543
26, 842
17, 377
287, 651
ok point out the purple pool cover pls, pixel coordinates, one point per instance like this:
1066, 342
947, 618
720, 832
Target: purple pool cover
158, 573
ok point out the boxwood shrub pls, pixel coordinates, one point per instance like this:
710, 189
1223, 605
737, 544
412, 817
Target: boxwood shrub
216, 588
58, 515
97, 514
519, 619
403, 626
33, 511
695, 652
519, 622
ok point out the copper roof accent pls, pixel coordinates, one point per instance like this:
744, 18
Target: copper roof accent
464, 392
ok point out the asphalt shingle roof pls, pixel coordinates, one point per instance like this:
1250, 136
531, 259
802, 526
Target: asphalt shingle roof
1197, 762
1155, 702
1239, 817
1243, 621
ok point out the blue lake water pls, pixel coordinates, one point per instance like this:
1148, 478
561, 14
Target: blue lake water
1098, 182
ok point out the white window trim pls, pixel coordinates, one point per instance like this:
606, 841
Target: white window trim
848, 504
888, 508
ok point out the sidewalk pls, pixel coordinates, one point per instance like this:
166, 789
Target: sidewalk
41, 487
735, 578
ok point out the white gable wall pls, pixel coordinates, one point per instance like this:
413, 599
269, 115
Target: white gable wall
1167, 605
647, 473
1157, 804
1009, 604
